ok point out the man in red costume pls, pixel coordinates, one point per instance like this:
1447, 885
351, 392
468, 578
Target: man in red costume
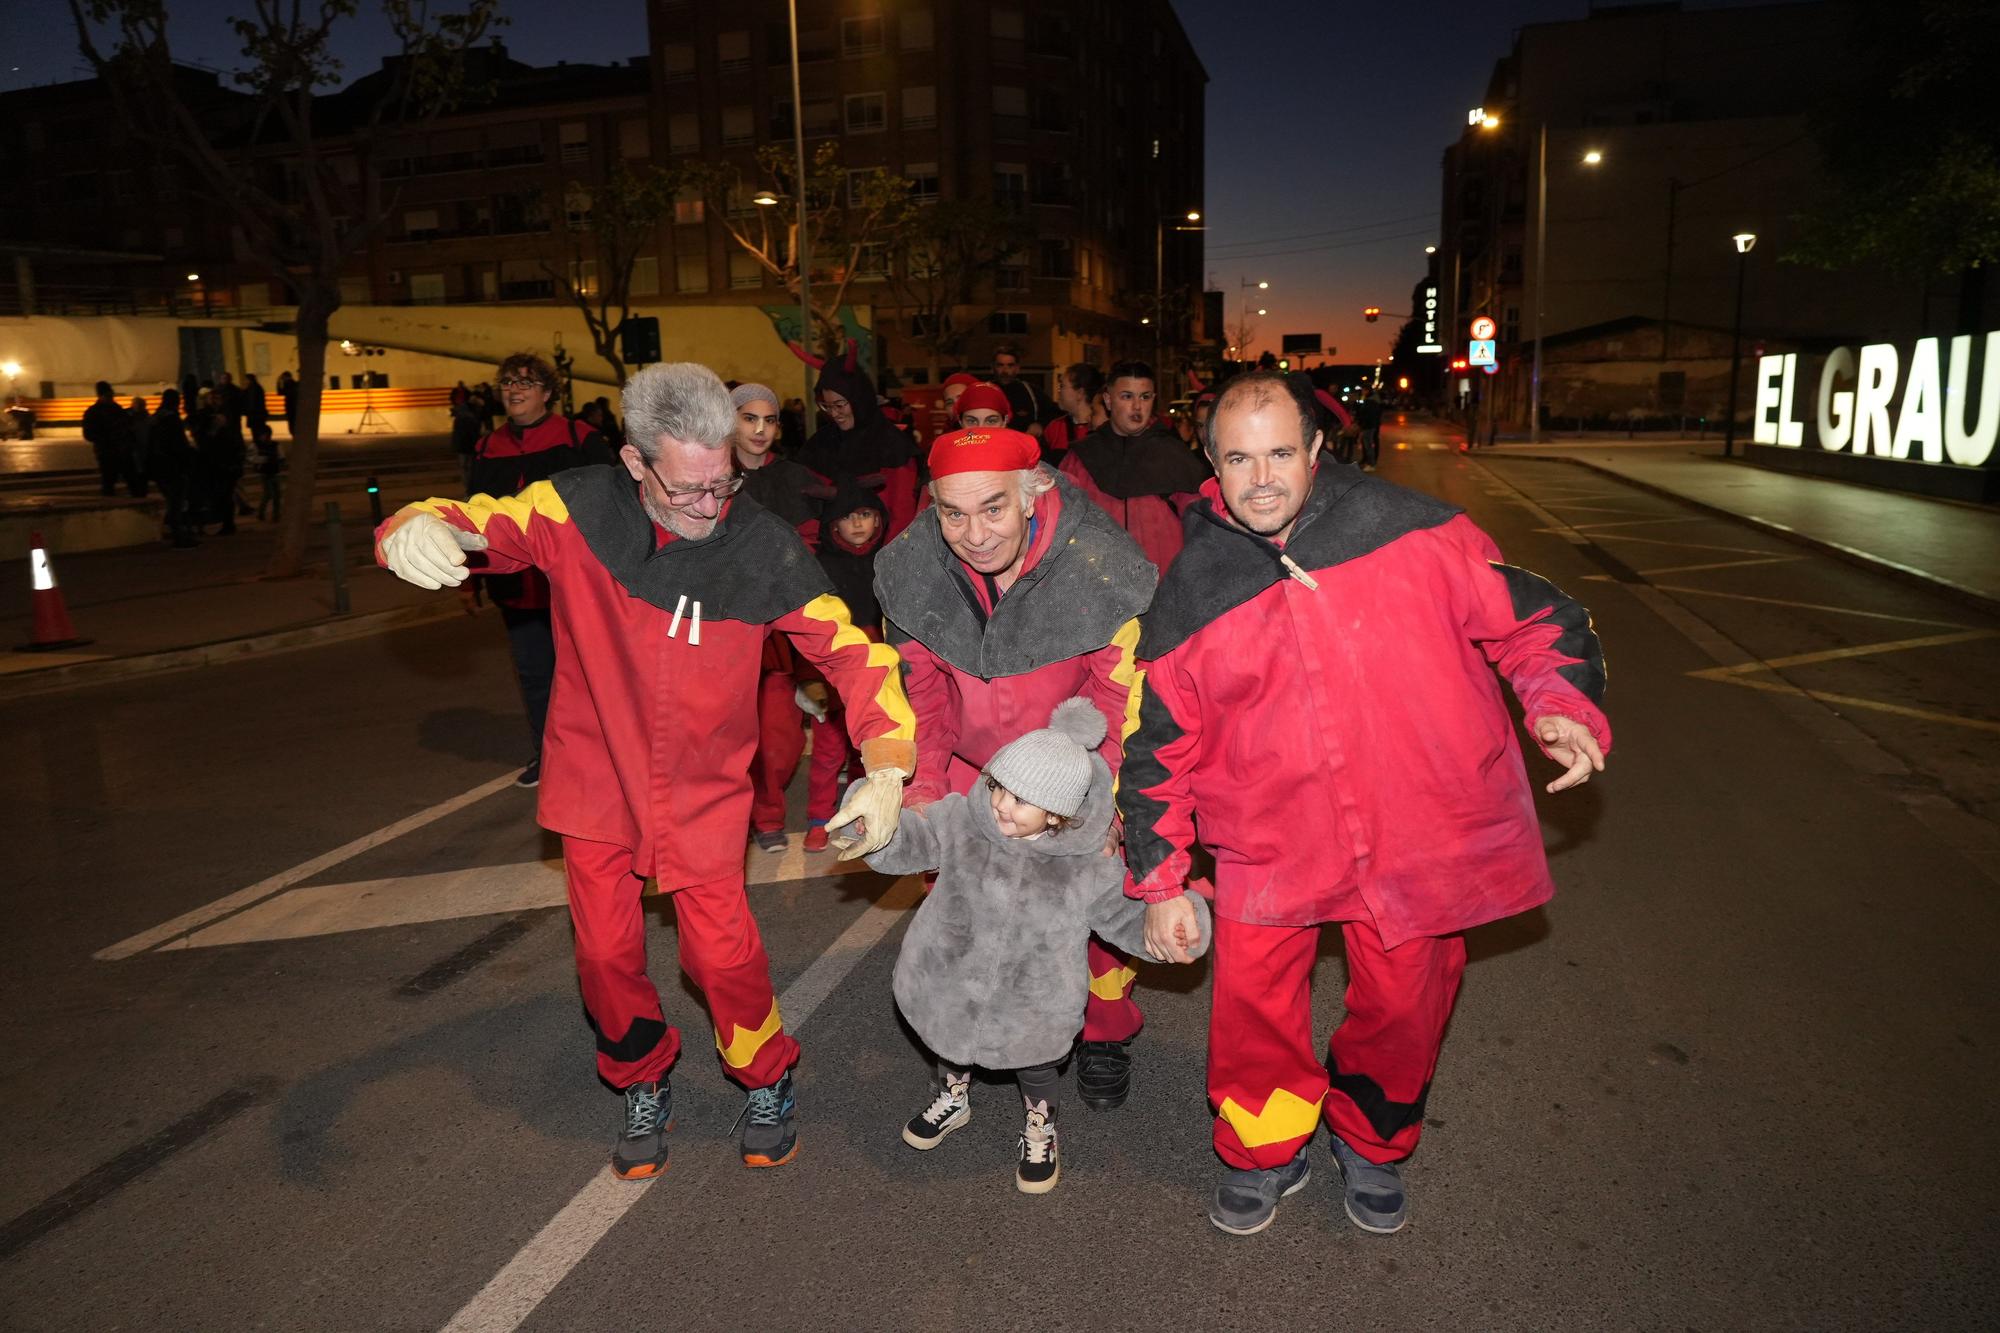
1320, 694
666, 584
1011, 594
1139, 471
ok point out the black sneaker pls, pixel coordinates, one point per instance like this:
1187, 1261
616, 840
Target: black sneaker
1103, 1074
771, 839
950, 1109
531, 776
1040, 1166
641, 1150
771, 1131
1246, 1201
1375, 1199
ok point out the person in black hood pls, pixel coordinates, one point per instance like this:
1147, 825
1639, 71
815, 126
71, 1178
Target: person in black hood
858, 441
851, 531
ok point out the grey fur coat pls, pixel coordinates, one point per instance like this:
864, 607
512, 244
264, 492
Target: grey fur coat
993, 971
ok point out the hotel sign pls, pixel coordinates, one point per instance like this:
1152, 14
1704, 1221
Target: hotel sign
1430, 344
1932, 403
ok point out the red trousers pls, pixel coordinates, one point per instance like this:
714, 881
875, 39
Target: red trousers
1268, 1090
832, 751
781, 739
721, 951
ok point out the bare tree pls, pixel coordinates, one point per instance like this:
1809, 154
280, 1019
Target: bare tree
285, 184
602, 230
937, 263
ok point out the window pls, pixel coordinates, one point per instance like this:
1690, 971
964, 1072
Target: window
1012, 277
919, 108
691, 273
741, 194
923, 178
781, 118
1051, 36
1007, 321
489, 284
583, 276
576, 207
635, 138
861, 37
1053, 184
575, 141
1008, 25
420, 224
1010, 183
739, 125
1053, 258
684, 133
688, 207
744, 270
867, 113
872, 264
1010, 113
645, 276
916, 30
732, 51
677, 58
816, 44
1051, 111
822, 118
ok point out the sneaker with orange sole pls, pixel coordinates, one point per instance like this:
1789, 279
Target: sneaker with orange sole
641, 1150
770, 1128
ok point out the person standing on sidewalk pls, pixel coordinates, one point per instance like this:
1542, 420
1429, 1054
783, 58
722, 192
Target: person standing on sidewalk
532, 445
666, 584
108, 427
1320, 696
171, 463
220, 444
1010, 594
1137, 470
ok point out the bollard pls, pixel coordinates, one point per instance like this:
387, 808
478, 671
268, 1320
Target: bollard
375, 500
336, 559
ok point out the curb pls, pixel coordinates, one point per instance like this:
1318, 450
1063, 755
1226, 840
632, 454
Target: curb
79, 675
1972, 597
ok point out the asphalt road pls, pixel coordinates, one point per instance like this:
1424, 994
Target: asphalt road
1733, 1077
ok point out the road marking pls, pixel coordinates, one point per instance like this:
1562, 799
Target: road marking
515, 1292
1594, 526
1689, 546
1803, 606
1723, 674
1718, 564
187, 922
1858, 650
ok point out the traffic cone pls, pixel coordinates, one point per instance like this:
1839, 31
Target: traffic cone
53, 629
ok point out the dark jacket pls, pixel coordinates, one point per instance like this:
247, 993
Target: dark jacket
852, 570
872, 447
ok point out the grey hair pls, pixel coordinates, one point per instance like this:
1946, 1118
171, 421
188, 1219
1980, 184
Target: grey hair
1033, 482
681, 400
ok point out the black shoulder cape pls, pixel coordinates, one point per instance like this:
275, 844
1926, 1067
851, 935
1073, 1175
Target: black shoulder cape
753, 568
1091, 580
1125, 468
1221, 566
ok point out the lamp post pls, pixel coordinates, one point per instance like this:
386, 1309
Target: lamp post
1590, 159
804, 256
1160, 270
1744, 241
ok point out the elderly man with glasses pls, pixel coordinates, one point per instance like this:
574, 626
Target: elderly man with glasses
666, 582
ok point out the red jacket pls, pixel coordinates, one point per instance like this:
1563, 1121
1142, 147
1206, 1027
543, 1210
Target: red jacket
1347, 749
1145, 482
650, 733
509, 459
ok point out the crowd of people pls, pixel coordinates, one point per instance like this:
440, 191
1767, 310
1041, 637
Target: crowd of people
191, 445
1120, 695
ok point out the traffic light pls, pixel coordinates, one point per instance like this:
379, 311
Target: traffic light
1371, 313
639, 341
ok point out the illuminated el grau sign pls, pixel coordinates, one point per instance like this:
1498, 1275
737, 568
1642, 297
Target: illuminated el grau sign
1929, 404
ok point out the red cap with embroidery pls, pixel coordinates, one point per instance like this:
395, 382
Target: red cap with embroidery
990, 397
984, 449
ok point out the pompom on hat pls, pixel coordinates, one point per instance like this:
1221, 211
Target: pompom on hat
983, 449
1051, 767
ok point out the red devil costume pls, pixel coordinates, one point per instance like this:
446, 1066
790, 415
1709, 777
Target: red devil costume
1329, 710
646, 768
981, 666
1143, 481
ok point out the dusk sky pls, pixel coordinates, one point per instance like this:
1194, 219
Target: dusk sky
1325, 126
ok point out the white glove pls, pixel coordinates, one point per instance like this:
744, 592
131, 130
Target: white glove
878, 801
425, 550
810, 706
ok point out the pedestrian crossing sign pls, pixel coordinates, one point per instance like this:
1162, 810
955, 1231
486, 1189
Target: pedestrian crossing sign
1481, 353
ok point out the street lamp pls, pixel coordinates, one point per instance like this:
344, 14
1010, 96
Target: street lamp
1590, 159
764, 199
802, 251
1744, 241
1182, 222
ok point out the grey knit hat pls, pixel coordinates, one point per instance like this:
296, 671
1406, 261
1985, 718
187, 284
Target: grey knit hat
751, 393
1051, 767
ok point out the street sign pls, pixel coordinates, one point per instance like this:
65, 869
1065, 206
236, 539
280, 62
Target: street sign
1483, 328
1430, 345
1482, 351
1299, 344
1492, 369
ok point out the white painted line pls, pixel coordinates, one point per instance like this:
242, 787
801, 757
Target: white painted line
188, 922
504, 1303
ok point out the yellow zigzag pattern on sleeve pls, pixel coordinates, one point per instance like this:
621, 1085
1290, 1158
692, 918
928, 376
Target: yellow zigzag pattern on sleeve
889, 696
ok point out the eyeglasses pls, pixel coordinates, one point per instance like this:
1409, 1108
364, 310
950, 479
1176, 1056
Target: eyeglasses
522, 384
721, 491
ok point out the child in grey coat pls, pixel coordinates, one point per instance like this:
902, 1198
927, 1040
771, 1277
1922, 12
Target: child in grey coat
993, 971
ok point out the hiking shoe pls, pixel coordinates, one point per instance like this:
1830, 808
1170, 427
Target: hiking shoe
641, 1150
1103, 1074
531, 776
771, 839
1375, 1198
1246, 1201
816, 838
770, 1125
950, 1109
1040, 1166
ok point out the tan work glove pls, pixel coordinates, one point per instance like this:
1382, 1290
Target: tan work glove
878, 803
425, 550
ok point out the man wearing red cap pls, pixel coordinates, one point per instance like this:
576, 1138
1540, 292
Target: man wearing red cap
982, 406
1011, 594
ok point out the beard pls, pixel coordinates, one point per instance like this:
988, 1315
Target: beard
1264, 525
682, 524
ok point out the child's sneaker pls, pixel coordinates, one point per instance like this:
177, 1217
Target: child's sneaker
1039, 1168
816, 838
950, 1109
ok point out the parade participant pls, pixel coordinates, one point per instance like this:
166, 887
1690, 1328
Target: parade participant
533, 444
1318, 696
982, 405
1138, 470
858, 442
852, 527
954, 385
1080, 394
666, 583
992, 972
1024, 404
787, 490
1011, 595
